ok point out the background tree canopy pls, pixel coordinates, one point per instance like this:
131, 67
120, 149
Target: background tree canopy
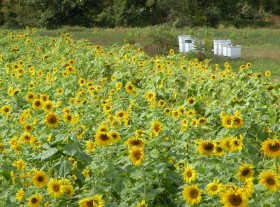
112, 13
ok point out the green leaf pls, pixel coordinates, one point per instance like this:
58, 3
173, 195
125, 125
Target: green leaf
47, 153
63, 168
70, 149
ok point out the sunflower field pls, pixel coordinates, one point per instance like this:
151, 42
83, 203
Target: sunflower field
87, 126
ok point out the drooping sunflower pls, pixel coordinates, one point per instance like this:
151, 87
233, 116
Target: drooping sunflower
35, 200
156, 127
245, 171
103, 138
40, 178
270, 180
271, 147
234, 198
192, 194
206, 147
55, 188
213, 188
135, 142
19, 194
136, 155
189, 174
52, 120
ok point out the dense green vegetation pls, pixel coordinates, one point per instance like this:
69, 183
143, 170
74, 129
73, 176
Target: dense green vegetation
109, 13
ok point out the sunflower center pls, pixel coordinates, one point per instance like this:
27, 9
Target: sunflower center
156, 128
135, 143
104, 137
40, 178
245, 172
34, 200
235, 200
270, 181
56, 188
37, 103
137, 155
274, 147
189, 174
52, 119
214, 188
89, 203
6, 110
228, 121
208, 147
193, 193
191, 101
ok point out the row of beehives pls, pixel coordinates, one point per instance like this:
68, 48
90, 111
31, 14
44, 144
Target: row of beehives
221, 47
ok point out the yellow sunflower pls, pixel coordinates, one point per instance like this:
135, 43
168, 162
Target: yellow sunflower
245, 171
103, 138
115, 136
39, 178
19, 194
213, 188
130, 88
68, 118
231, 198
156, 127
52, 120
271, 147
135, 142
227, 121
30, 96
206, 147
37, 104
34, 200
270, 180
55, 188
192, 194
136, 155
94, 201
48, 106
189, 174
28, 128
6, 110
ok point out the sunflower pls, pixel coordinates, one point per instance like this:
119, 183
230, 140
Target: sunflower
103, 138
237, 122
190, 100
39, 178
68, 188
213, 188
202, 120
135, 142
227, 143
48, 106
115, 135
248, 187
59, 91
34, 200
161, 103
37, 104
19, 194
94, 201
156, 127
68, 118
245, 171
189, 174
271, 148
190, 113
121, 114
52, 120
206, 147
130, 88
270, 180
55, 188
218, 150
6, 110
175, 113
26, 137
136, 155
192, 194
227, 121
267, 73
28, 128
235, 198
236, 144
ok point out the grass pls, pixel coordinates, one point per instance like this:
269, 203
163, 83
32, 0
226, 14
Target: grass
260, 46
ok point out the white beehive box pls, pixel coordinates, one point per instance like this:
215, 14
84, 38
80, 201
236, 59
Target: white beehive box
221, 44
215, 49
185, 43
234, 51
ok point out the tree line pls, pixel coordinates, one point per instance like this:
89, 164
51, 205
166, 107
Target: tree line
132, 13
